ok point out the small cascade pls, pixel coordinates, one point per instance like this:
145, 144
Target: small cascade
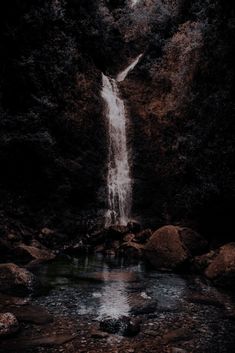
122, 75
119, 182
133, 2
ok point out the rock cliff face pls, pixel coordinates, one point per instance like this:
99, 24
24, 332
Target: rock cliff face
53, 146
180, 106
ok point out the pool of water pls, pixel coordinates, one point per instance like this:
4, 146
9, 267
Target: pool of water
91, 289
109, 287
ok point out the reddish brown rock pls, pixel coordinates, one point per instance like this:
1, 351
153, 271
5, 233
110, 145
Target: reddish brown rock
8, 324
165, 248
222, 266
200, 263
171, 246
16, 280
131, 249
26, 253
128, 237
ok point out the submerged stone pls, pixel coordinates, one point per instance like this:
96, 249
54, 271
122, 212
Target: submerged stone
8, 324
123, 326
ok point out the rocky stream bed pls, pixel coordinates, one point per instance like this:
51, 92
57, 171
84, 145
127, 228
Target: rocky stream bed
114, 300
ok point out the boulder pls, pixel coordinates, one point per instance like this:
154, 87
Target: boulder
123, 326
171, 246
16, 280
8, 324
221, 268
143, 236
27, 253
165, 249
131, 250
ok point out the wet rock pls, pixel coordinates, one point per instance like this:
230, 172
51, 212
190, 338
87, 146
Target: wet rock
7, 300
179, 334
50, 237
98, 237
8, 324
49, 340
124, 326
131, 249
27, 253
222, 266
204, 299
16, 280
128, 237
46, 232
200, 263
100, 248
144, 308
177, 350
99, 334
171, 246
165, 248
134, 227
143, 236
76, 249
116, 232
32, 314
109, 252
13, 237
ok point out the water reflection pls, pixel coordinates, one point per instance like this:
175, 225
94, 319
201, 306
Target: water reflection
113, 298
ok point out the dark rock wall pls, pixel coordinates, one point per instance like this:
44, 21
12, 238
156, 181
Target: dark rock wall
181, 108
53, 143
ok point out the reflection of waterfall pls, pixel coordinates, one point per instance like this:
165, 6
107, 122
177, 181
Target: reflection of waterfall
113, 299
118, 180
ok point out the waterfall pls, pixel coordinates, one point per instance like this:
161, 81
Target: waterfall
119, 183
133, 2
122, 75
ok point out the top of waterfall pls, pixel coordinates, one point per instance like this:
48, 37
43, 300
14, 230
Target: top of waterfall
122, 75
134, 2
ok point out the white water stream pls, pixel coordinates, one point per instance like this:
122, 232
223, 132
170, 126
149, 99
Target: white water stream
133, 2
118, 178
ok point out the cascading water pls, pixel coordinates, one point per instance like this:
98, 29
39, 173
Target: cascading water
133, 2
119, 178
